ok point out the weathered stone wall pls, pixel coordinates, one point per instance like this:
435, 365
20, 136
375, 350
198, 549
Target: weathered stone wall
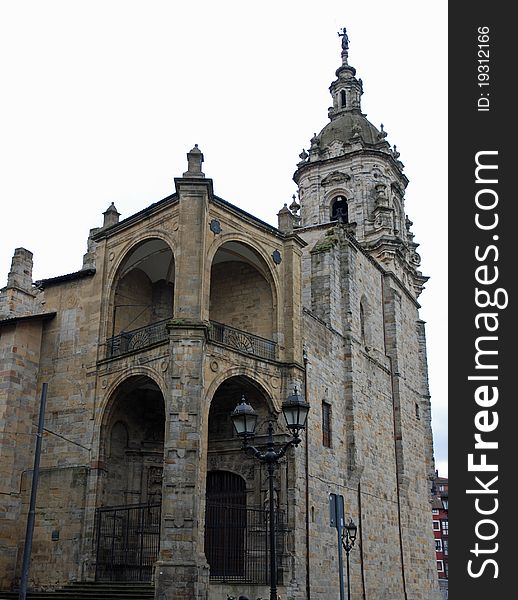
56, 549
373, 383
20, 345
241, 297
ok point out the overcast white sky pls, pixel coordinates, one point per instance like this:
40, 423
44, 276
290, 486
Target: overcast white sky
101, 100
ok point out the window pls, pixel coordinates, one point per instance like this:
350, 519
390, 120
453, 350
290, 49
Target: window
417, 411
362, 322
438, 545
435, 511
445, 503
326, 424
445, 526
440, 565
445, 547
436, 525
339, 210
342, 98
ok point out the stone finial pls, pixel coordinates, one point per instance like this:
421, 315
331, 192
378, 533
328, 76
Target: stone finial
194, 160
20, 275
286, 219
382, 134
294, 206
111, 216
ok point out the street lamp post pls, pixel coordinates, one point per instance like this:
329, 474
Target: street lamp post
348, 538
244, 418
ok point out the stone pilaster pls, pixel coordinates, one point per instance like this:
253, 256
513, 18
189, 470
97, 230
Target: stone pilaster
191, 279
182, 571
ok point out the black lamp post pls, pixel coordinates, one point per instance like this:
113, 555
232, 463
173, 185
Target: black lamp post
348, 538
244, 418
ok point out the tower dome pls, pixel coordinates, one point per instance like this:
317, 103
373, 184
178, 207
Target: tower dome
346, 127
351, 177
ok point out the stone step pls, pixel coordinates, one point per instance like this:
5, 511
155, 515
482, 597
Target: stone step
91, 591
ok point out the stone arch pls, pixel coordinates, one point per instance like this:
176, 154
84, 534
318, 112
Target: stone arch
243, 291
141, 286
235, 532
330, 198
339, 209
131, 443
227, 395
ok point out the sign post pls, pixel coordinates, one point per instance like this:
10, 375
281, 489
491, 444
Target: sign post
336, 519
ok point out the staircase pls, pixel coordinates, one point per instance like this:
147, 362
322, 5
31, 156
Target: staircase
91, 591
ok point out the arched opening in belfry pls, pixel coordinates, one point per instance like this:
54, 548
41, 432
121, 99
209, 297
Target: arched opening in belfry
132, 453
340, 210
343, 99
242, 304
142, 299
236, 519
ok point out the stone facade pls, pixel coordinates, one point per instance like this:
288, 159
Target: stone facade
179, 311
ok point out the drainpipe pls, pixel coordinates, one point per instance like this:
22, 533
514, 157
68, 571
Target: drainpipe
360, 530
393, 393
308, 582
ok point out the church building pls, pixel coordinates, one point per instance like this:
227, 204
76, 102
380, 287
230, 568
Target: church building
180, 312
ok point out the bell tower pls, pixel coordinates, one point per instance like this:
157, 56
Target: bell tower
351, 176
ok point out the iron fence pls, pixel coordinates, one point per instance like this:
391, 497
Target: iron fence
128, 541
136, 339
237, 543
242, 341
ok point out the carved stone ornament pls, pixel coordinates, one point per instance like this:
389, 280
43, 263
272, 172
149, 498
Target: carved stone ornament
415, 259
334, 178
215, 226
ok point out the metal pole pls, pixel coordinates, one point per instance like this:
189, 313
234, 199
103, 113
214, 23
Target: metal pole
32, 505
273, 549
340, 561
348, 574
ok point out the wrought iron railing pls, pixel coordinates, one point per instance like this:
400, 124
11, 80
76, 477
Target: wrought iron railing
137, 339
242, 341
128, 541
140, 338
237, 542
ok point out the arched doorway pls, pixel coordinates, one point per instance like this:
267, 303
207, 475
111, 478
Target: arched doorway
236, 519
128, 518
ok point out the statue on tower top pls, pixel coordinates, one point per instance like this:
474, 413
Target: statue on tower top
345, 38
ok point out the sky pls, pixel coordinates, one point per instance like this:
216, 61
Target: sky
102, 100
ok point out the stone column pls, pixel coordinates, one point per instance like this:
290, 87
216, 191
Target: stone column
182, 572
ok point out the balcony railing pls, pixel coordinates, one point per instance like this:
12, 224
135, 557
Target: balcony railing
137, 339
242, 341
